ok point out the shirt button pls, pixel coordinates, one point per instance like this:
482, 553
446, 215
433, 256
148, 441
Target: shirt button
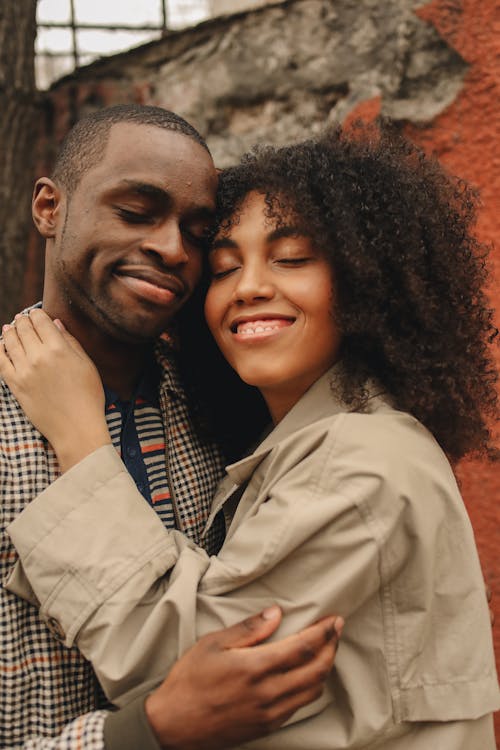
56, 628
132, 452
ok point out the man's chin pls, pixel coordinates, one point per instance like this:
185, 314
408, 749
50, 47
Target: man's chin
139, 331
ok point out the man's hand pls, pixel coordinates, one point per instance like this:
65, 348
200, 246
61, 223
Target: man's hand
226, 690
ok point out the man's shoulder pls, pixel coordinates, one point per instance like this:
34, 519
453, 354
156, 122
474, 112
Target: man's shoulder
15, 427
167, 359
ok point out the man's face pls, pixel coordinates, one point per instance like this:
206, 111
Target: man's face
126, 252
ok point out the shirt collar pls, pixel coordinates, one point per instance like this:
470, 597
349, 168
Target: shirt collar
146, 389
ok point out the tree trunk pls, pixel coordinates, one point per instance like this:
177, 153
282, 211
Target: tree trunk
17, 138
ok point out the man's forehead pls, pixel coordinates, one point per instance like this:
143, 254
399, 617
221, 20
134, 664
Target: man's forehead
152, 155
147, 137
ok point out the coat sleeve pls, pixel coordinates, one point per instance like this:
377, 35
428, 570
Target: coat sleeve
134, 597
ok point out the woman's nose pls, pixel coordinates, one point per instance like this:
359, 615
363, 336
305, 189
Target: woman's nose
254, 283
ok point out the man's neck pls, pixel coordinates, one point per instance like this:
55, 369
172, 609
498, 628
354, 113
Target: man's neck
120, 364
120, 368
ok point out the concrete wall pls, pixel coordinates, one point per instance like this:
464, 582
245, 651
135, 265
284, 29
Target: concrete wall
282, 72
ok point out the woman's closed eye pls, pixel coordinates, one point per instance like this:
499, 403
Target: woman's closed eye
221, 273
294, 261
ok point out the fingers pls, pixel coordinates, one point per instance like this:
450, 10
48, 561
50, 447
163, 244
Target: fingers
26, 333
283, 693
54, 331
248, 632
276, 714
29, 334
299, 648
308, 678
6, 366
69, 338
13, 346
43, 325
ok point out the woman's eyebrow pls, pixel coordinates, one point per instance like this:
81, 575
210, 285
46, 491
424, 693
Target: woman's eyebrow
223, 242
285, 231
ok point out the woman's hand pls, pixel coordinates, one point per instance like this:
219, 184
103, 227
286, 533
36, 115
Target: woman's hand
57, 385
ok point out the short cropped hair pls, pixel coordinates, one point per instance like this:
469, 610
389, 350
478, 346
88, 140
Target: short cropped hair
85, 143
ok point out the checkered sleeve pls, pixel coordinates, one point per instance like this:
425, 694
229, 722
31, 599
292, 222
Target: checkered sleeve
84, 733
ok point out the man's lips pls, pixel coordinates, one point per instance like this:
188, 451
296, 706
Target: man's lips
151, 284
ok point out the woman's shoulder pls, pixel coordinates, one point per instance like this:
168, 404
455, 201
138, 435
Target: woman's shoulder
379, 447
379, 430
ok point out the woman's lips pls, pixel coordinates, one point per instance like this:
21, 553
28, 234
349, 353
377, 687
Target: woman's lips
260, 328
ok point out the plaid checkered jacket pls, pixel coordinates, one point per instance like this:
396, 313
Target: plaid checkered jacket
49, 696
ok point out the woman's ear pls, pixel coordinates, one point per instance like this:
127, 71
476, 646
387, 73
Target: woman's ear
46, 206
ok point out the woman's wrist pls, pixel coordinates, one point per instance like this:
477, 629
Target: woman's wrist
73, 449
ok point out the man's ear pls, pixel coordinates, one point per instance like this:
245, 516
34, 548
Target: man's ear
46, 206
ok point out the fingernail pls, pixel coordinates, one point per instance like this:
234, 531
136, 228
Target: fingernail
271, 613
59, 324
339, 625
6, 327
16, 317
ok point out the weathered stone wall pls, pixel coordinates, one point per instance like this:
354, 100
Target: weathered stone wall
282, 72
279, 73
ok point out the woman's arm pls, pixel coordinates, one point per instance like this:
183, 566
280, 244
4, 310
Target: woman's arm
135, 597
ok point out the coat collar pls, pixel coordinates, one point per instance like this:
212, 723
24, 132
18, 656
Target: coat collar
318, 402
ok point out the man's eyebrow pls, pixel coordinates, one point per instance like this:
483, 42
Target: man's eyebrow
157, 193
142, 188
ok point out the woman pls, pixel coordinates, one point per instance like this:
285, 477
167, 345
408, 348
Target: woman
345, 286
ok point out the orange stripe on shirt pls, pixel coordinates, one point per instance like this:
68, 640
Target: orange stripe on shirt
160, 497
151, 448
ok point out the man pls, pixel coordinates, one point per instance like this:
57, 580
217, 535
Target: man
125, 218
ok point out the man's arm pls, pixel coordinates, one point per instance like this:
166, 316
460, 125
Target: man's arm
220, 693
226, 690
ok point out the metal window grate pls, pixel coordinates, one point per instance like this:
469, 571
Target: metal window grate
63, 45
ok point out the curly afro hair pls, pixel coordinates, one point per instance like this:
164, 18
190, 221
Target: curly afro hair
409, 271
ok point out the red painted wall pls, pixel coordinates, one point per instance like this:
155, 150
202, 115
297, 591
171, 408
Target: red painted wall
466, 138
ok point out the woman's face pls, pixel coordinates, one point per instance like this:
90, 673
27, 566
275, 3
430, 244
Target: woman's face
269, 306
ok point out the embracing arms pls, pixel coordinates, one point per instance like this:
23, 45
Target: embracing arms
240, 690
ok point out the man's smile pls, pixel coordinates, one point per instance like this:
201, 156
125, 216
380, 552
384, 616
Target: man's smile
150, 283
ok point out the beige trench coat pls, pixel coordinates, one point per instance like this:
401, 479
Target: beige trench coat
350, 513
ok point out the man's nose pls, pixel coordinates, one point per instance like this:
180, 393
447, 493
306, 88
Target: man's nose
166, 241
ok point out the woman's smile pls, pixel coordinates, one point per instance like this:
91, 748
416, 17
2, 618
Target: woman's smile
263, 326
270, 305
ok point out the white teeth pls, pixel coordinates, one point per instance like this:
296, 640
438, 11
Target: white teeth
250, 329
